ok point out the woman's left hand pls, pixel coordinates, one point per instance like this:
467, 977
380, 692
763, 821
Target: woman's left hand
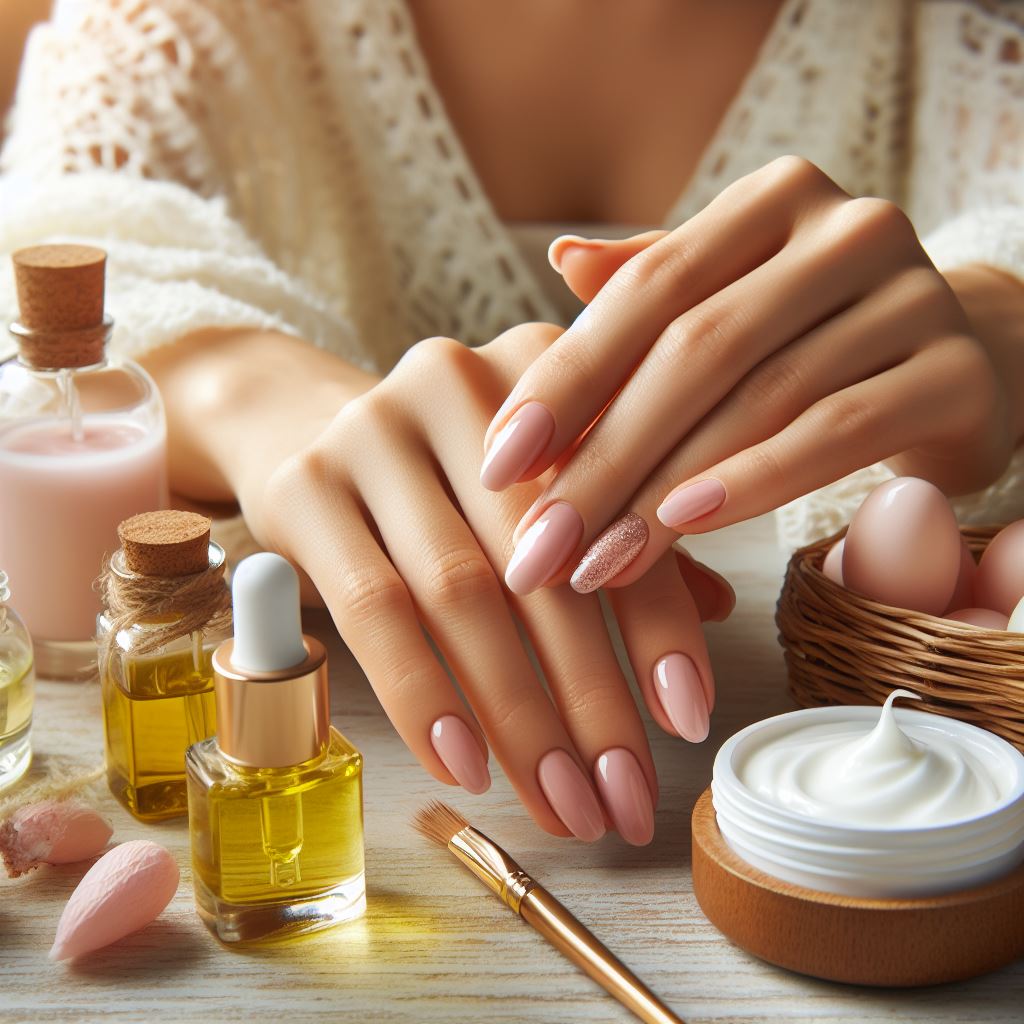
783, 337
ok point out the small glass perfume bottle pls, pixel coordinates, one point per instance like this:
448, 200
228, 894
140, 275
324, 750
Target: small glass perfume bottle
167, 608
275, 800
16, 683
82, 446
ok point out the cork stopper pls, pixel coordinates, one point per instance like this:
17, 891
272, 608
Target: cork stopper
166, 544
60, 301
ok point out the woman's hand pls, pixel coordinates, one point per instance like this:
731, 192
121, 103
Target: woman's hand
780, 339
382, 507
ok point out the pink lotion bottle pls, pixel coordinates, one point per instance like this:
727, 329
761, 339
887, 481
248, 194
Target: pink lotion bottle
83, 446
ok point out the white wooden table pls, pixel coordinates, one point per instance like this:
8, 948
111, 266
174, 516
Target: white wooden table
434, 946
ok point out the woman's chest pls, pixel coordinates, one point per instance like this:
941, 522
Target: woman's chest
588, 110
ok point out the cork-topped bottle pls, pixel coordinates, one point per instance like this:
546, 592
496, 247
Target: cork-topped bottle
82, 446
167, 607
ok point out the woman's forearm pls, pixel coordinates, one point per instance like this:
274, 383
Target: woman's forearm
240, 401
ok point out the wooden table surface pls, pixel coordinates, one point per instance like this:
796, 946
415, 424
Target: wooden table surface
434, 945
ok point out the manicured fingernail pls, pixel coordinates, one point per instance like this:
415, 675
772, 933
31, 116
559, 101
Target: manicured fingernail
625, 793
685, 504
557, 249
543, 549
570, 795
517, 446
677, 683
457, 747
610, 553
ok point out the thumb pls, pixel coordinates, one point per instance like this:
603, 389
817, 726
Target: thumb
587, 263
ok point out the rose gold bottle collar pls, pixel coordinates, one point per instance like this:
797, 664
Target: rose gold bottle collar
272, 719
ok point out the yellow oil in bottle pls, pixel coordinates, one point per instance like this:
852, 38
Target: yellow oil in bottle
154, 708
16, 687
17, 679
276, 852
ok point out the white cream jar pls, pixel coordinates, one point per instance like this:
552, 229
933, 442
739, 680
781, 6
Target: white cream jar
863, 802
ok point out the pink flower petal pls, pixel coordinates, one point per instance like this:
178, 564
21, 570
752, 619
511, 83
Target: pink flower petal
51, 832
121, 893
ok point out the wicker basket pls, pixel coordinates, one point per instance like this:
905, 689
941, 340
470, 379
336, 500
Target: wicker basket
842, 648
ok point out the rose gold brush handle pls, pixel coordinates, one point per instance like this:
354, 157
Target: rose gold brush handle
547, 916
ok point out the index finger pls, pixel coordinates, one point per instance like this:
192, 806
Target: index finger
565, 390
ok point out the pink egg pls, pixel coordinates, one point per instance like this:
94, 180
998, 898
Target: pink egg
1000, 583
832, 566
903, 547
963, 595
983, 617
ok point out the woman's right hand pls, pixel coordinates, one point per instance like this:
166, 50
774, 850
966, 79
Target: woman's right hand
383, 509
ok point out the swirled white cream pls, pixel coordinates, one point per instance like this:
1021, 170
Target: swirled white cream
849, 774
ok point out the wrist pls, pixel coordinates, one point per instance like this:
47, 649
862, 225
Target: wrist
241, 401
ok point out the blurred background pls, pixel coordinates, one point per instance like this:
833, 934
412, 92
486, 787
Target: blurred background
16, 18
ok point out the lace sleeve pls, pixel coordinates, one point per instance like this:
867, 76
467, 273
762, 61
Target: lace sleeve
965, 195
110, 145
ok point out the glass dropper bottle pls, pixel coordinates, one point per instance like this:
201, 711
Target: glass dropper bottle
82, 447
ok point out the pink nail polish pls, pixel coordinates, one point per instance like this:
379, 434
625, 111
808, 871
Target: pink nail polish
570, 795
677, 683
517, 446
557, 249
457, 747
610, 553
543, 549
685, 504
625, 793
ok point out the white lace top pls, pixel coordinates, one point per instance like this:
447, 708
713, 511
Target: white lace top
289, 164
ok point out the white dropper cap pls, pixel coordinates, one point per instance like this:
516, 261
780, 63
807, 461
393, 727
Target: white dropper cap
268, 622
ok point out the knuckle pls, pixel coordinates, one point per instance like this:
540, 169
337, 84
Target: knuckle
659, 267
763, 462
369, 596
705, 334
776, 382
572, 361
404, 677
460, 577
591, 691
792, 173
847, 416
514, 707
430, 354
871, 219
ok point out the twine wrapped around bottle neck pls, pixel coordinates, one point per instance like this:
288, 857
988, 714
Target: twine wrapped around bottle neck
200, 601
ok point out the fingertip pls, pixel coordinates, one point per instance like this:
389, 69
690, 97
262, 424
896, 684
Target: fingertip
559, 245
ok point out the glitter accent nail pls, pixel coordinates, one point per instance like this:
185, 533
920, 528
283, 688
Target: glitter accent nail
610, 553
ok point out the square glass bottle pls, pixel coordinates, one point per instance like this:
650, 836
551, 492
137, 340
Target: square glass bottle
276, 798
166, 611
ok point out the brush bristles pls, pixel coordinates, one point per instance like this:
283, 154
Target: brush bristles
438, 822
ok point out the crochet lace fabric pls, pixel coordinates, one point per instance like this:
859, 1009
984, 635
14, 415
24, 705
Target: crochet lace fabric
293, 166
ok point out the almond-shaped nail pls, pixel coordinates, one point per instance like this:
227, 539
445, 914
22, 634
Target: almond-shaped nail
457, 747
121, 893
626, 795
678, 686
543, 549
690, 502
557, 249
517, 446
570, 795
610, 553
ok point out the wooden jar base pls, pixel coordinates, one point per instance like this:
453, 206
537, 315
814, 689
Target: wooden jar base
849, 939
